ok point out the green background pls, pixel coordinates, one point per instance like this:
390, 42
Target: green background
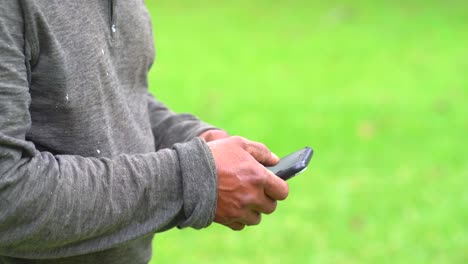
378, 88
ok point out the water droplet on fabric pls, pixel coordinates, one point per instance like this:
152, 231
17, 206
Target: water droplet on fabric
66, 97
98, 151
113, 28
102, 51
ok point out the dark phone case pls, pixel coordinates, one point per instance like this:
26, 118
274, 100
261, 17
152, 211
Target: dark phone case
292, 164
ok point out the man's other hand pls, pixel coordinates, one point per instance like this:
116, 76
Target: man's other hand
245, 187
213, 134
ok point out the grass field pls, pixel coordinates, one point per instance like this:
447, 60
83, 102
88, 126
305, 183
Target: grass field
378, 88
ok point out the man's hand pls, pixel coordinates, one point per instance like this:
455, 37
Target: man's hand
245, 187
213, 134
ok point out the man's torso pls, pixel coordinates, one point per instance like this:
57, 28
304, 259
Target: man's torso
88, 63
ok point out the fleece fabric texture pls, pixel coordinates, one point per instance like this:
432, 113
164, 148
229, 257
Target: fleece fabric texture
91, 164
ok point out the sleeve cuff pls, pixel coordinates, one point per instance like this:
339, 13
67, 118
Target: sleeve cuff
199, 183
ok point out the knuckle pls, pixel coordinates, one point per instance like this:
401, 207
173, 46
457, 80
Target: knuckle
257, 147
244, 202
285, 192
260, 177
257, 219
240, 140
263, 147
263, 172
271, 208
255, 174
247, 198
253, 218
238, 227
249, 147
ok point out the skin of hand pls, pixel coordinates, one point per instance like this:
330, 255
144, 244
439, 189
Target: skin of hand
245, 187
213, 134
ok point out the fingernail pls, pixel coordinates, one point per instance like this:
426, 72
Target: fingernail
274, 155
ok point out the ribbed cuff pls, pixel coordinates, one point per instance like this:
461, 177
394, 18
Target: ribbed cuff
199, 183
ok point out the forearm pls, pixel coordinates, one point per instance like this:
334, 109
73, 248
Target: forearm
55, 206
170, 128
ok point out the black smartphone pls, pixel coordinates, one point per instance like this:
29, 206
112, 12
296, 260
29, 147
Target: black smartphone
292, 164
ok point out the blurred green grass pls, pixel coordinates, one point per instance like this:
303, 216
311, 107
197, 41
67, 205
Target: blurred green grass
378, 88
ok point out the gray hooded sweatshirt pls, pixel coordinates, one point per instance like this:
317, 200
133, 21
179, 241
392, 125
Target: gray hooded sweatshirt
91, 165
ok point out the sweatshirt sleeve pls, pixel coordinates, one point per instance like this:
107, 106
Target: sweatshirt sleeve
61, 205
170, 128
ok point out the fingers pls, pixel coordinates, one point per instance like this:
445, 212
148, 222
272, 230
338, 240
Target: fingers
266, 205
259, 151
236, 226
275, 187
250, 218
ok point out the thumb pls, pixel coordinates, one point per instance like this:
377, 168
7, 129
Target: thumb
261, 153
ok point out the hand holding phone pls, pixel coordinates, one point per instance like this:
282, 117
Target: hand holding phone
292, 164
245, 188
